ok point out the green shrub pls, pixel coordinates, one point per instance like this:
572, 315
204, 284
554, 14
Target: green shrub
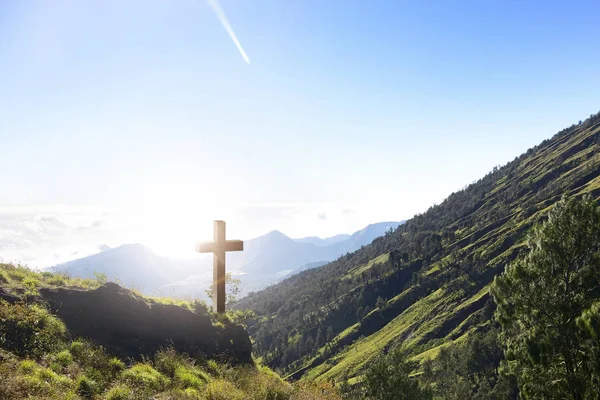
17, 274
56, 280
260, 383
98, 365
3, 277
181, 394
213, 368
46, 275
89, 355
54, 379
100, 278
167, 361
119, 392
223, 390
28, 366
115, 366
29, 330
78, 348
86, 387
189, 377
144, 376
63, 358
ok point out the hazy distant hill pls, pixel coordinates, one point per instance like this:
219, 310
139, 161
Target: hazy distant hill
323, 242
265, 260
275, 252
133, 265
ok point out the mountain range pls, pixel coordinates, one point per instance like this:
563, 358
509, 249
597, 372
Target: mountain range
265, 260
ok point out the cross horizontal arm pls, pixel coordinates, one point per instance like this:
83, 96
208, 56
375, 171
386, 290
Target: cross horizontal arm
211, 247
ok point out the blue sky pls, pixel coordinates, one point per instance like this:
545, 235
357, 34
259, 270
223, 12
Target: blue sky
142, 116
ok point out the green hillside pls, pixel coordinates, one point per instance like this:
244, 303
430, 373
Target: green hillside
426, 283
41, 358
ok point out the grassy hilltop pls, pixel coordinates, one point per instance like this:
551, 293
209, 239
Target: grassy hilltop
40, 359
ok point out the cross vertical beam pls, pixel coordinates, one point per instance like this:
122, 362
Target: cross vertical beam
219, 267
219, 247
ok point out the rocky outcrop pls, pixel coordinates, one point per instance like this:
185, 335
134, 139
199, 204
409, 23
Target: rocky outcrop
8, 296
132, 326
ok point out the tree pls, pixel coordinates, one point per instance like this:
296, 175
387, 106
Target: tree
388, 378
233, 288
540, 298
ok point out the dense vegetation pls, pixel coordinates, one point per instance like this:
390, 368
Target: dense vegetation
547, 309
40, 360
424, 286
546, 302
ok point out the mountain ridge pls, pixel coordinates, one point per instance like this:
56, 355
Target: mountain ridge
425, 284
266, 260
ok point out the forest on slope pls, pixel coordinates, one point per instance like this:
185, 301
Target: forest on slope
426, 284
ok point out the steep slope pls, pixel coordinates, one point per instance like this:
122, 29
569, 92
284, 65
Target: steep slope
424, 284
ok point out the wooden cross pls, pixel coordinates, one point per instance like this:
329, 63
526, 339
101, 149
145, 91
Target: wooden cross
218, 247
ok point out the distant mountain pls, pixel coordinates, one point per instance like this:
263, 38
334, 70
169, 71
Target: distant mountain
133, 265
323, 242
265, 260
275, 252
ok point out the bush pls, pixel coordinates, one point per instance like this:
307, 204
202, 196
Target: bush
115, 366
223, 390
213, 367
64, 358
31, 285
187, 377
29, 331
145, 377
260, 384
86, 387
56, 280
167, 361
119, 392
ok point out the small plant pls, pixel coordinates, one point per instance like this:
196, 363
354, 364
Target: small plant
144, 376
187, 377
167, 361
213, 367
29, 330
100, 277
31, 285
64, 358
3, 277
86, 387
119, 392
17, 274
78, 348
240, 316
56, 280
28, 366
115, 366
223, 390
